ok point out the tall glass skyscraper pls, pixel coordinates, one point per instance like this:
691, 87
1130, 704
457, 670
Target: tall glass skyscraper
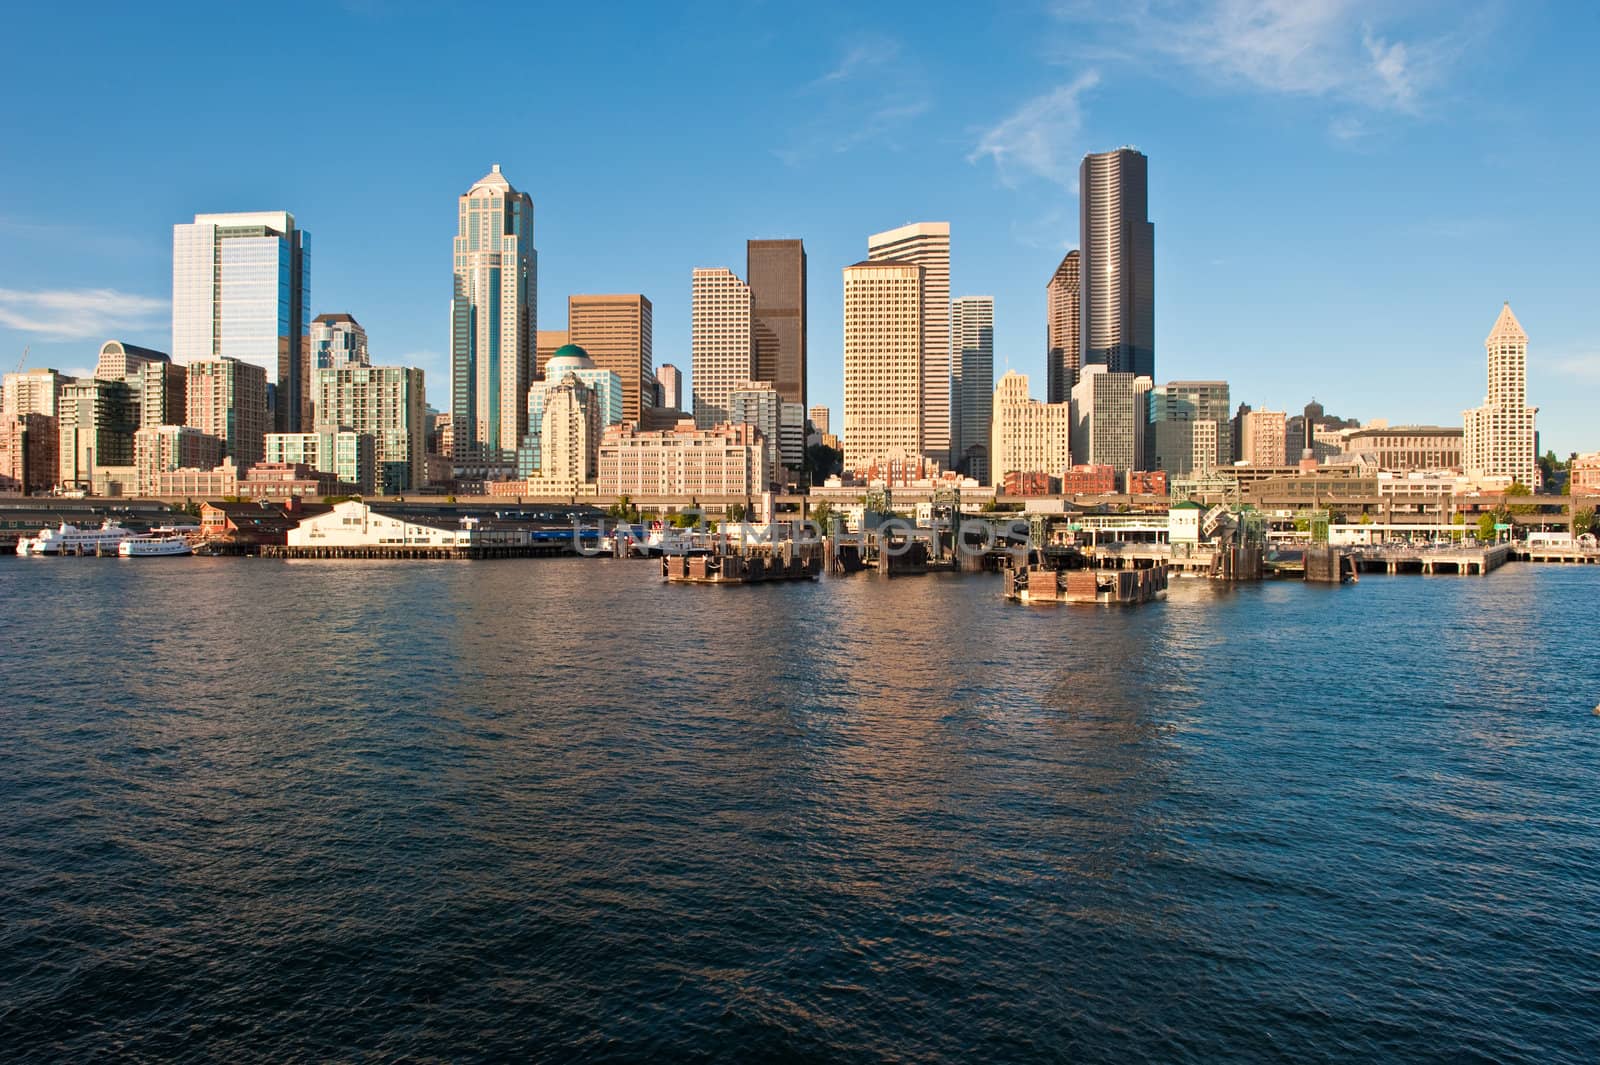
493, 318
241, 286
1117, 319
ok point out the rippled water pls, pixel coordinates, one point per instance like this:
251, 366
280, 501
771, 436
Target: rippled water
261, 811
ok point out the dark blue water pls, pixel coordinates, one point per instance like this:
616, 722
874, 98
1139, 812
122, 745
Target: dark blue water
262, 812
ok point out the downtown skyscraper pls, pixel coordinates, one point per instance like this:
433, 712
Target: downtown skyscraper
776, 273
883, 368
1117, 263
1063, 354
722, 349
493, 317
972, 384
241, 287
927, 246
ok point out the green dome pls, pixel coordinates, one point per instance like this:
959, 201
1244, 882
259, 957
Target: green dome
570, 351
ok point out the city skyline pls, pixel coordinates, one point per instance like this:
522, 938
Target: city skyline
1355, 164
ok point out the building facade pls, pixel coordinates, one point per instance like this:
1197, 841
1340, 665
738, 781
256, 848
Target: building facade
1498, 439
819, 420
1028, 436
616, 331
162, 392
387, 403
670, 380
1062, 351
571, 425
159, 449
1189, 427
121, 361
883, 378
346, 455
32, 392
1108, 418
96, 423
493, 317
337, 340
685, 462
758, 404
722, 351
776, 273
1117, 262
227, 398
1262, 437
241, 289
927, 245
972, 386
1404, 448
546, 343
30, 452
567, 361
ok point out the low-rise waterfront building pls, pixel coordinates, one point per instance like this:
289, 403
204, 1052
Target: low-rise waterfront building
161, 449
276, 481
1584, 474
1403, 448
724, 460
1088, 480
219, 482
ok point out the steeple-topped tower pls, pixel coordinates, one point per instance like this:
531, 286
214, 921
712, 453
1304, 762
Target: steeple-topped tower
1498, 439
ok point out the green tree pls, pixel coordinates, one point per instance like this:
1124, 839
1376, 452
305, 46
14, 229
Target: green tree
735, 511
822, 514
1517, 488
1486, 530
623, 510
1583, 521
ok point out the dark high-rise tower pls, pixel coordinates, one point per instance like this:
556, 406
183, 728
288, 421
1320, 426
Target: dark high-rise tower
1062, 346
1117, 275
776, 273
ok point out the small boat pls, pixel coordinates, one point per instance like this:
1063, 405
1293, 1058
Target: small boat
68, 539
154, 547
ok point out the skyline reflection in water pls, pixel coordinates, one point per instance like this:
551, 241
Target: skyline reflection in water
555, 809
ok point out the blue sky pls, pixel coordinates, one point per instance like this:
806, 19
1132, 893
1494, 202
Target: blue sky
1343, 192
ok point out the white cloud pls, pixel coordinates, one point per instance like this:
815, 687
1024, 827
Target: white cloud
1583, 367
78, 314
1338, 49
1040, 137
872, 91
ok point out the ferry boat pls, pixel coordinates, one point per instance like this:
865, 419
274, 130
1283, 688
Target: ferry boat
68, 539
153, 547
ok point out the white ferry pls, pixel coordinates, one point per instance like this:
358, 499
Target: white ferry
71, 540
154, 547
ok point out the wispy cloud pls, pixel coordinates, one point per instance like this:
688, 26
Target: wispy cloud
1347, 50
76, 314
1040, 137
1581, 367
872, 90
861, 56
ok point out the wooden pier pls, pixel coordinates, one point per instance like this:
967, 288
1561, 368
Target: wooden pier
417, 552
754, 565
1041, 584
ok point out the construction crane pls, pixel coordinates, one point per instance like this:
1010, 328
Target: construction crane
23, 361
